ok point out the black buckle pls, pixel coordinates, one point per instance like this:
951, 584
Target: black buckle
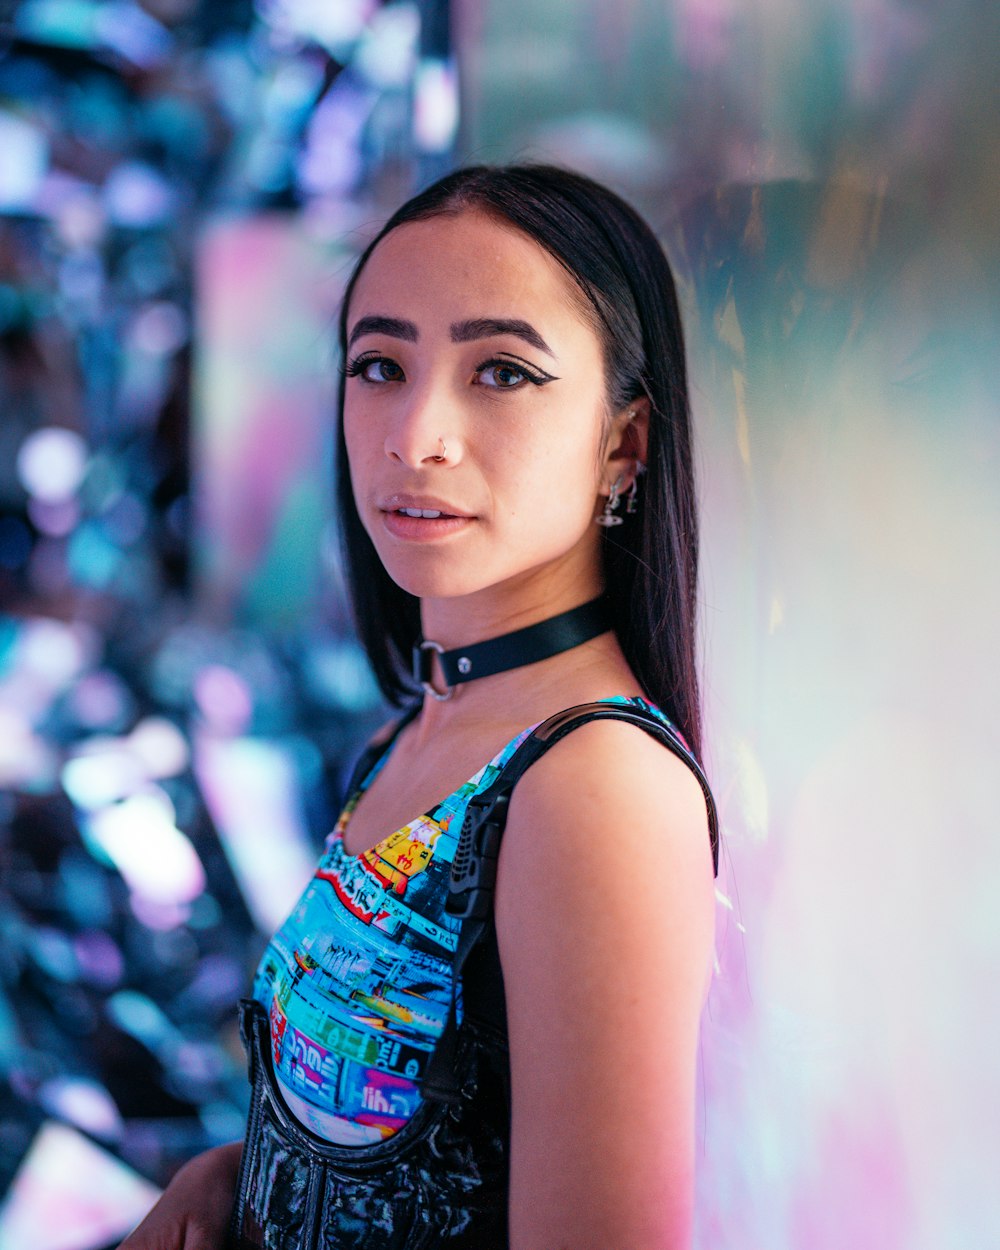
474, 868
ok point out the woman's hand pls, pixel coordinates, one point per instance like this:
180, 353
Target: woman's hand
193, 1213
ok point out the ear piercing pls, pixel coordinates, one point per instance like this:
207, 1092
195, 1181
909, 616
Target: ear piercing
637, 468
607, 518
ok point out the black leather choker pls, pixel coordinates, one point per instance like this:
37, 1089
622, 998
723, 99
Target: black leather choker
522, 646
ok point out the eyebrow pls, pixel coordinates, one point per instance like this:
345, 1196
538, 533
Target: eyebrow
490, 327
394, 327
461, 331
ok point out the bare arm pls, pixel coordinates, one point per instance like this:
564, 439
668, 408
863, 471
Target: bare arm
605, 914
193, 1213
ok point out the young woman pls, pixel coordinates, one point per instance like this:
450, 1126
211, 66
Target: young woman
514, 444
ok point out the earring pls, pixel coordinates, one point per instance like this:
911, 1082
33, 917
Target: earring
606, 517
634, 488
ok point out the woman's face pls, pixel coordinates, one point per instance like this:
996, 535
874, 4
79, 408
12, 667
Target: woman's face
465, 335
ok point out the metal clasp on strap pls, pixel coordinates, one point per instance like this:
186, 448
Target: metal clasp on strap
422, 668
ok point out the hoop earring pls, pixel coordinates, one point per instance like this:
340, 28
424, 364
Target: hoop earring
607, 518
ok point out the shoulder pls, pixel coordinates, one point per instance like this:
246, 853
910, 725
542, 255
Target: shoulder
604, 912
618, 785
607, 831
614, 802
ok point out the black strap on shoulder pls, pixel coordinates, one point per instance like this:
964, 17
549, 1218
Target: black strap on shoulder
473, 871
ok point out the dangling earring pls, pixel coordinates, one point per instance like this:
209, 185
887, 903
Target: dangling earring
606, 517
634, 488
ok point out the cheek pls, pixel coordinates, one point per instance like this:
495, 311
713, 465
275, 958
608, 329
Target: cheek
551, 490
358, 445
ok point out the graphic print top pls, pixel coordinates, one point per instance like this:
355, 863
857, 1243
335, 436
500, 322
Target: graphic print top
357, 981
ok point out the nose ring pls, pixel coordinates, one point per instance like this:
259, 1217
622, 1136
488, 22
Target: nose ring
444, 450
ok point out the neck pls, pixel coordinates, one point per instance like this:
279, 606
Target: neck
528, 692
523, 695
499, 609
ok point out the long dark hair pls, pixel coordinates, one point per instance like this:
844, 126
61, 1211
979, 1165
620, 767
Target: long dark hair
651, 560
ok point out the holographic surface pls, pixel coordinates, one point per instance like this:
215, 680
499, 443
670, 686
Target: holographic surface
825, 178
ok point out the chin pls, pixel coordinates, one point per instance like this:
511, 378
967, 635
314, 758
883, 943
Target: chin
435, 572
436, 584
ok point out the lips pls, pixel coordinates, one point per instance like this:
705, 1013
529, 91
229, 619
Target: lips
423, 519
408, 504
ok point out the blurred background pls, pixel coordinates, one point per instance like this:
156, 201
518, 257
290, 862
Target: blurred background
182, 189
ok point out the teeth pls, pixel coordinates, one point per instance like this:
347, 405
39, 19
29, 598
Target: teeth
427, 512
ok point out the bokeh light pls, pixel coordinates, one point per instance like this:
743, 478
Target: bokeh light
51, 464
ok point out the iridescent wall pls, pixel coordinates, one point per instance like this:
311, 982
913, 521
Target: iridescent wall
826, 179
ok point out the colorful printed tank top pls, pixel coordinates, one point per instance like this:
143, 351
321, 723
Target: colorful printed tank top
357, 981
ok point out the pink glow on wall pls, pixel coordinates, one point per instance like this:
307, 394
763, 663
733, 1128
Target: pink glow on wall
850, 599
264, 401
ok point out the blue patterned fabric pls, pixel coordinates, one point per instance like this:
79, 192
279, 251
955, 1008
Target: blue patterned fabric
357, 981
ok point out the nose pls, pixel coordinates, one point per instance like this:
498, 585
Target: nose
422, 432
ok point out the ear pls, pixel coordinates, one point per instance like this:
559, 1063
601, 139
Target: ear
627, 443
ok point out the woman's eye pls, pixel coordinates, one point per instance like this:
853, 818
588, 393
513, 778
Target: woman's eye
381, 370
498, 375
502, 377
375, 369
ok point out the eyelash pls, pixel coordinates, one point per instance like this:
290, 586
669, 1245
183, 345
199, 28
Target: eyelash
357, 366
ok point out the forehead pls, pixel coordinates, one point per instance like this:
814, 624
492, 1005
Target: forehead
466, 265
